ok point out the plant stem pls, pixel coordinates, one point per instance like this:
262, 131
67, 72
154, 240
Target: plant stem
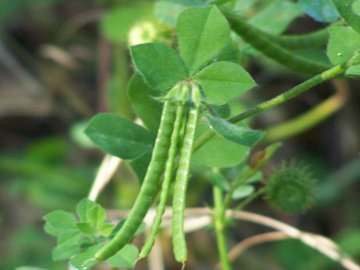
282, 98
309, 119
219, 217
249, 199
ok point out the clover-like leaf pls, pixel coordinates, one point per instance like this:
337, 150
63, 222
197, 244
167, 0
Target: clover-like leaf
83, 207
218, 152
146, 107
125, 257
223, 81
118, 136
350, 11
140, 165
218, 180
96, 216
59, 221
85, 260
339, 51
159, 64
202, 33
243, 191
241, 135
65, 251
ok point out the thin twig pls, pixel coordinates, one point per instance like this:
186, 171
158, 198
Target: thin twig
237, 250
106, 170
320, 243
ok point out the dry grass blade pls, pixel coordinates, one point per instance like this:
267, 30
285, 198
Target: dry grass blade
106, 170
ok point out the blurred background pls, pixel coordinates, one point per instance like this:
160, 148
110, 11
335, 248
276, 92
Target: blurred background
62, 61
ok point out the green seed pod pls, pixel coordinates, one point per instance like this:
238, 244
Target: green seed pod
291, 188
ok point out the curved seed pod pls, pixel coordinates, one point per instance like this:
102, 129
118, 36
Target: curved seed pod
291, 188
181, 180
273, 50
169, 173
316, 39
150, 185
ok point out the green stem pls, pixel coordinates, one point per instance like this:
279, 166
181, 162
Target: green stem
249, 199
307, 120
219, 217
250, 171
282, 98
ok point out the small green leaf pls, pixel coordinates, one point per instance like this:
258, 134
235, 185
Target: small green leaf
218, 152
140, 165
241, 135
339, 51
106, 229
65, 251
159, 64
223, 81
243, 192
69, 238
202, 33
125, 257
218, 180
350, 11
96, 216
83, 207
117, 22
118, 136
86, 259
320, 10
146, 107
255, 178
58, 222
223, 111
86, 228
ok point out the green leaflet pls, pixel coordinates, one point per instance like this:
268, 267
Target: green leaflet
243, 191
78, 238
59, 221
83, 207
350, 11
223, 81
202, 33
339, 51
140, 165
85, 259
118, 136
65, 251
125, 257
218, 152
96, 216
159, 64
234, 133
145, 106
